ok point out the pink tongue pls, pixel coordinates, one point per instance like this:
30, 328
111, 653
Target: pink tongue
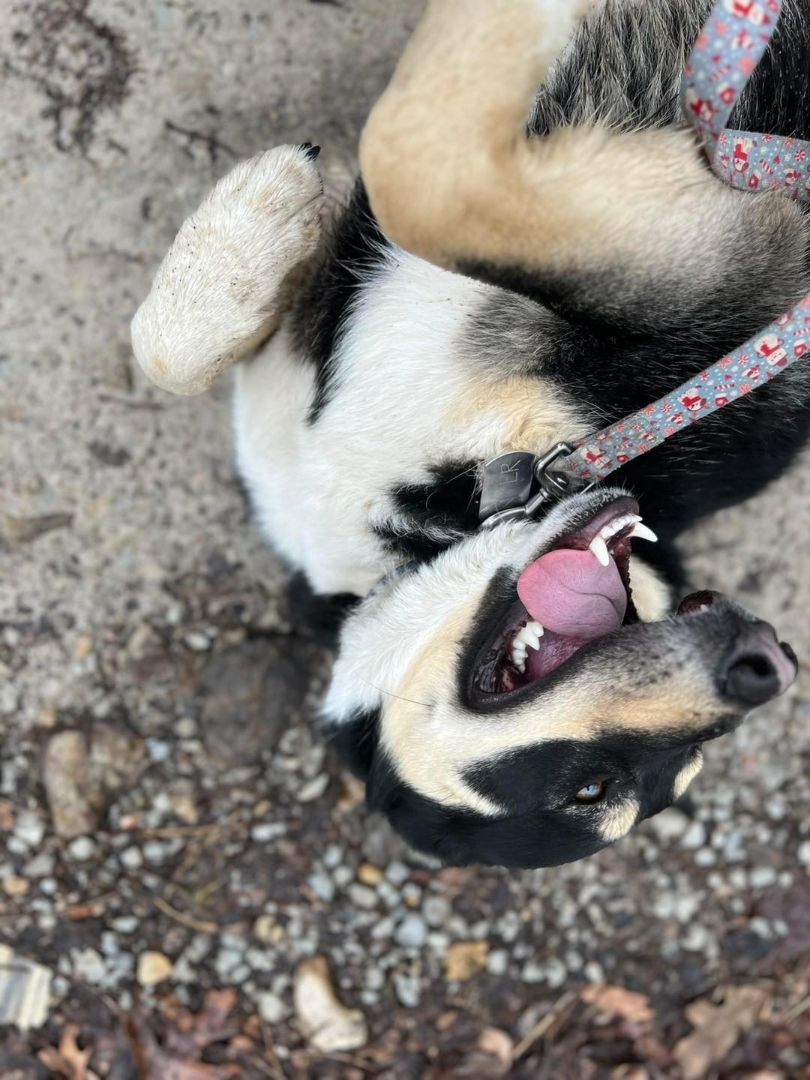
571, 593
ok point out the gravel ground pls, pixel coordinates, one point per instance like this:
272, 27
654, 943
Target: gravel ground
177, 852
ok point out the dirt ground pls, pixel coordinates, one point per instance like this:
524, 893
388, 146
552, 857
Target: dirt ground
175, 845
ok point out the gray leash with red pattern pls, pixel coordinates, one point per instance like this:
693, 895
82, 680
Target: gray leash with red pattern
518, 485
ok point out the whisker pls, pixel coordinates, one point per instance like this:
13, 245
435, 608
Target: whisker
399, 697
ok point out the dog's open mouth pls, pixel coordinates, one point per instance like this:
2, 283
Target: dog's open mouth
573, 594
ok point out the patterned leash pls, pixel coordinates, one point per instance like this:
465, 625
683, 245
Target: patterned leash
729, 48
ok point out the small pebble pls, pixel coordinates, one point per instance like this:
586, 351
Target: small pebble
15, 886
267, 831
762, 876
695, 836
271, 1008
313, 789
411, 932
30, 828
362, 896
369, 874
669, 824
436, 910
398, 873
323, 886
88, 965
153, 968
131, 858
556, 973
498, 962
408, 990
40, 866
125, 924
81, 848
197, 642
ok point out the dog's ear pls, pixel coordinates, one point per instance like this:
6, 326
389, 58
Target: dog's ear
232, 272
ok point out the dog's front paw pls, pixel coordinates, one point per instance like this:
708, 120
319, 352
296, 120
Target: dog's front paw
232, 270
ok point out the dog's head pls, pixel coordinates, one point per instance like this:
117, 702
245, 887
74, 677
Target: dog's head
518, 702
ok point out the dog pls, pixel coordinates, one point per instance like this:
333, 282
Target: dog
536, 247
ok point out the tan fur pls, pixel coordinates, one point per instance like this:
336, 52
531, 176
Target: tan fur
452, 177
527, 413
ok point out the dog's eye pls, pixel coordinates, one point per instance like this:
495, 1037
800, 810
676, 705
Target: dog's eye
592, 792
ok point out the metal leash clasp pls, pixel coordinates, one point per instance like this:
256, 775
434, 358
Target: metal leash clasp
518, 485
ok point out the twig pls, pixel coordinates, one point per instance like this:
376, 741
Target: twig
547, 1025
131, 403
797, 1010
203, 925
211, 141
270, 1050
170, 831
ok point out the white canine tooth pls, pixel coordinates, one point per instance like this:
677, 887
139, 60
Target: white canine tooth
519, 659
644, 532
528, 637
600, 549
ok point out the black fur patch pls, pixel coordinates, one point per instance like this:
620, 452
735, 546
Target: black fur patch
610, 374
641, 764
461, 837
435, 515
355, 741
625, 64
322, 616
323, 305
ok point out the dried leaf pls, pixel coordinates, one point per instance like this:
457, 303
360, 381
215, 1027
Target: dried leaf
616, 1001
716, 1029
465, 959
68, 1061
326, 1022
498, 1043
190, 1034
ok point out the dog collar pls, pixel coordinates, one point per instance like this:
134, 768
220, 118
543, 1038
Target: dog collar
521, 485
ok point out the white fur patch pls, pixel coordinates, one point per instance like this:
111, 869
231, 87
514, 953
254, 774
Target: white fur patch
617, 820
687, 775
406, 397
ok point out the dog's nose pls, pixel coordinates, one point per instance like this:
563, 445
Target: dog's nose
758, 668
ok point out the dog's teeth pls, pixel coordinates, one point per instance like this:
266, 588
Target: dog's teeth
600, 549
532, 633
519, 658
643, 532
528, 637
614, 527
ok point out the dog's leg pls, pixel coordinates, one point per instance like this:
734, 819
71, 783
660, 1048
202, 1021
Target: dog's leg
232, 271
453, 177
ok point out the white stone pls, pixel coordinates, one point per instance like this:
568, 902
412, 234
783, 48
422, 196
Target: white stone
88, 965
271, 1008
81, 848
411, 932
762, 876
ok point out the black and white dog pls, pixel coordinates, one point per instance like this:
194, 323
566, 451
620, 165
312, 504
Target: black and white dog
492, 288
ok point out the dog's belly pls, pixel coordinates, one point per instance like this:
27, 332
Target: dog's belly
404, 398
294, 492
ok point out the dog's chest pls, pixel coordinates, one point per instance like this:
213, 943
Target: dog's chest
406, 398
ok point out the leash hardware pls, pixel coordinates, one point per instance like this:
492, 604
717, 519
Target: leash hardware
508, 490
